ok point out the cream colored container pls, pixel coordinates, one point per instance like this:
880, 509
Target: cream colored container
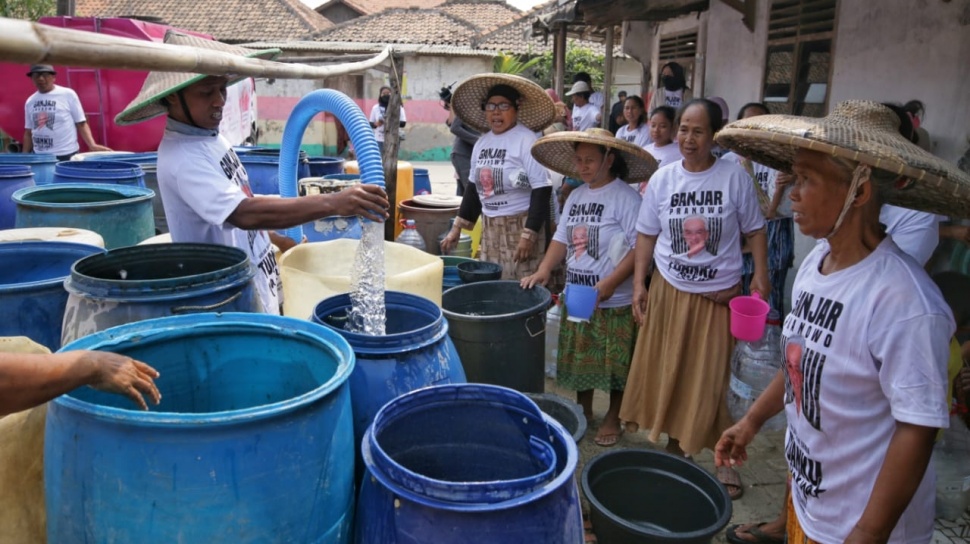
313, 272
52, 234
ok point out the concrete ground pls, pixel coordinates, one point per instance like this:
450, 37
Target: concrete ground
765, 473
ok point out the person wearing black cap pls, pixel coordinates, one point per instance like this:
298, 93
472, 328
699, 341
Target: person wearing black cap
53, 117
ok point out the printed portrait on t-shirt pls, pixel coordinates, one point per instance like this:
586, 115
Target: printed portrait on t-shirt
490, 181
794, 378
584, 241
43, 119
695, 237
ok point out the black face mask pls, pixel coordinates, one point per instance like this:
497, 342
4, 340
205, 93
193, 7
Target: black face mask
384, 100
670, 83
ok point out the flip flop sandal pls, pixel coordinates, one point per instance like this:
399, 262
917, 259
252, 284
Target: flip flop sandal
760, 537
731, 480
608, 440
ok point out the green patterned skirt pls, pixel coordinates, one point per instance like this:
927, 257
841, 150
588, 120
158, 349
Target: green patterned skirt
596, 355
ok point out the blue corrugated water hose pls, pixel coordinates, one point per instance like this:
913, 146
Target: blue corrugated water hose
361, 134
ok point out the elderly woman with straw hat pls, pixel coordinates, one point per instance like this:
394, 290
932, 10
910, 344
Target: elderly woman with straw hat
595, 237
864, 383
512, 192
694, 214
204, 186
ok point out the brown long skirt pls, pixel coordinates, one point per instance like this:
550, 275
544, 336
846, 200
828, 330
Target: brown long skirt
500, 239
679, 375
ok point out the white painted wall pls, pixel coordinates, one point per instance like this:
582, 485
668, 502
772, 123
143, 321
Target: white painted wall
735, 56
906, 49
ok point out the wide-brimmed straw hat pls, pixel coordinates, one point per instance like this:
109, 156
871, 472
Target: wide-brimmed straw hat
862, 131
556, 152
535, 111
147, 104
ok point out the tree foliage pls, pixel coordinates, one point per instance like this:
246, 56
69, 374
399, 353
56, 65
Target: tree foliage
29, 10
578, 59
509, 63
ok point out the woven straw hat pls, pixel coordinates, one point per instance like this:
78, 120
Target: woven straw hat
556, 152
158, 85
862, 131
536, 110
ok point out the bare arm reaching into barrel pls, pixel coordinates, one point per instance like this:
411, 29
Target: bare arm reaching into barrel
27, 380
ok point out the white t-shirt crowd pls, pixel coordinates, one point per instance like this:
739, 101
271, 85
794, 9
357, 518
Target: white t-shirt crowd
504, 171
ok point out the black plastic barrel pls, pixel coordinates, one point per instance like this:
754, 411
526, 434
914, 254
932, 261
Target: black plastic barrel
499, 330
646, 496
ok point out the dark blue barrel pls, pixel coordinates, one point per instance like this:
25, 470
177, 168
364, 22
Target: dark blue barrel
111, 172
252, 442
625, 506
262, 167
335, 226
323, 166
499, 330
122, 215
32, 295
12, 177
416, 352
157, 280
41, 164
422, 181
467, 464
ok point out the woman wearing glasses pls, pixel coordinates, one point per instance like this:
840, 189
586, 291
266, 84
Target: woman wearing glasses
513, 193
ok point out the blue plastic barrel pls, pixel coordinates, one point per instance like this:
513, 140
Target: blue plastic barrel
41, 164
416, 352
149, 165
323, 166
32, 295
262, 167
110, 172
252, 442
157, 280
122, 215
12, 177
467, 464
422, 181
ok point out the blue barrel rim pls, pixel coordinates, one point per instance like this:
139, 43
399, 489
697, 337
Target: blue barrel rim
163, 289
540, 307
28, 158
83, 250
15, 171
722, 521
556, 430
149, 157
132, 194
147, 330
366, 344
84, 169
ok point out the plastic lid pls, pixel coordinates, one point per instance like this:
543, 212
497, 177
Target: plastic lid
774, 318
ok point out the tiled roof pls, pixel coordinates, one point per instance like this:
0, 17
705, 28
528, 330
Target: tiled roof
515, 35
370, 7
481, 14
402, 26
232, 21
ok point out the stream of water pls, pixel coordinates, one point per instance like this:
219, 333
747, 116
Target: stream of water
367, 314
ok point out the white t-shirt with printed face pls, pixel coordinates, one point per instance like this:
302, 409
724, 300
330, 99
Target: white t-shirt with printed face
504, 172
639, 136
865, 347
598, 227
202, 182
376, 114
52, 119
699, 218
584, 117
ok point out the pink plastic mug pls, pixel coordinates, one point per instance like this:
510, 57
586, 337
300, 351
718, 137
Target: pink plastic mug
748, 317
